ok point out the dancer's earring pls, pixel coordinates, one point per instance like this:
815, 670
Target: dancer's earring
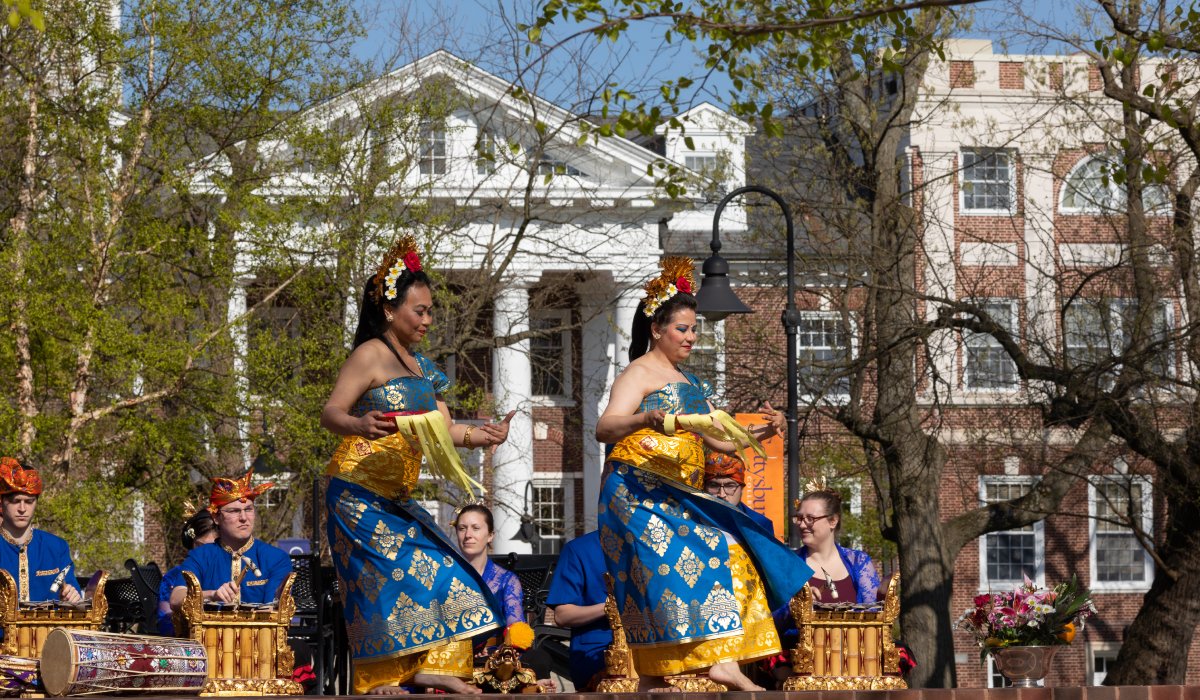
389, 317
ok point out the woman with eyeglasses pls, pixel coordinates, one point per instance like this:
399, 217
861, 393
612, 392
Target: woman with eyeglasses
840, 574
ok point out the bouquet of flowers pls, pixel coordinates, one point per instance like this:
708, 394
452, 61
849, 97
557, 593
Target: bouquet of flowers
1028, 616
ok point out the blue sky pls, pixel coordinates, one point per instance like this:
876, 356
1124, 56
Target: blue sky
485, 31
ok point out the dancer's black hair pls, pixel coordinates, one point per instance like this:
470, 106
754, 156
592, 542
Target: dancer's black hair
196, 527
639, 340
371, 322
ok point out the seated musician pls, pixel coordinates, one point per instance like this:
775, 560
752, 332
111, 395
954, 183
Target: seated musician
237, 567
725, 478
197, 530
577, 594
39, 562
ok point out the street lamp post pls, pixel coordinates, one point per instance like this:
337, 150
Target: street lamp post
716, 300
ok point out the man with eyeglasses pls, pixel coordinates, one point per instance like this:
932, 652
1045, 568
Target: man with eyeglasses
237, 568
725, 478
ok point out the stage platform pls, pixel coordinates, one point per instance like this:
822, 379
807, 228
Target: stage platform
1159, 692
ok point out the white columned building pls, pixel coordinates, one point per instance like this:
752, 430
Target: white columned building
512, 386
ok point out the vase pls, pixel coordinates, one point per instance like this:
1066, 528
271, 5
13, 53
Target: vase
1024, 667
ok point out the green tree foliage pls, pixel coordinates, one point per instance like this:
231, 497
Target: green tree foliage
132, 202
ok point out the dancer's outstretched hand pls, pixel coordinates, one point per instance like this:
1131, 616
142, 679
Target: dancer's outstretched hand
492, 434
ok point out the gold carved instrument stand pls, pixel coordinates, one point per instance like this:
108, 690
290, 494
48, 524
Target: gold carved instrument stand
248, 652
26, 626
846, 648
620, 676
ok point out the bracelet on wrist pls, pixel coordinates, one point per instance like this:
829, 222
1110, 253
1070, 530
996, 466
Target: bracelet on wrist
467, 438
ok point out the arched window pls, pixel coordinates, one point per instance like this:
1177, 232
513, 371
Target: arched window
1090, 188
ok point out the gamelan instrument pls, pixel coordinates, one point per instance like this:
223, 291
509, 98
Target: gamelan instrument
85, 662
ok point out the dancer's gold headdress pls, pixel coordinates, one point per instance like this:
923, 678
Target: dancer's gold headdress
678, 275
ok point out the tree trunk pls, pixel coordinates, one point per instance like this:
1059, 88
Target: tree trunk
926, 581
1156, 645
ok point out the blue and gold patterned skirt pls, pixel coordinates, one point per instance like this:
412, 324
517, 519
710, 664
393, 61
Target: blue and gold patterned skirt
412, 602
694, 578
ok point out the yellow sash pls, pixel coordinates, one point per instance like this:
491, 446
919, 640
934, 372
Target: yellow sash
718, 425
438, 447
390, 465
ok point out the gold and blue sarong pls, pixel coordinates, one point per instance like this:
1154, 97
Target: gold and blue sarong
695, 578
412, 603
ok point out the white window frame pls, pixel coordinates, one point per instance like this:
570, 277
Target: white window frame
566, 483
989, 668
1014, 329
702, 163
429, 161
1147, 526
487, 156
561, 317
986, 585
1010, 155
1116, 193
1113, 308
852, 331
1108, 650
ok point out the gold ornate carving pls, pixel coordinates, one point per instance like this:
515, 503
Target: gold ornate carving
846, 649
503, 673
25, 628
844, 683
247, 646
619, 673
240, 687
692, 683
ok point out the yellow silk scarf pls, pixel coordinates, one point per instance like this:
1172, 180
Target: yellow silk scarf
438, 447
718, 425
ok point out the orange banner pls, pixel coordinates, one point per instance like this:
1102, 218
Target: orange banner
766, 486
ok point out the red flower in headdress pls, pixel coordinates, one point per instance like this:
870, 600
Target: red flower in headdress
226, 491
15, 478
684, 285
412, 261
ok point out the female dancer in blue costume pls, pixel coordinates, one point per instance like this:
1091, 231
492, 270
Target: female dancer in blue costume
412, 602
695, 578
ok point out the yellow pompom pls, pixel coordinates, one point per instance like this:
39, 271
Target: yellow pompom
519, 635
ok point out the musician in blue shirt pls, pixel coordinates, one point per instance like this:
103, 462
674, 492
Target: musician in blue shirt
577, 594
236, 555
40, 563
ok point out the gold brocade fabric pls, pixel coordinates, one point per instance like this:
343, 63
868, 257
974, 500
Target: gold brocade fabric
388, 466
677, 457
453, 659
757, 639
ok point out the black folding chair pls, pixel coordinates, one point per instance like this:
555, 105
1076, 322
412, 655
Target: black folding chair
146, 579
314, 621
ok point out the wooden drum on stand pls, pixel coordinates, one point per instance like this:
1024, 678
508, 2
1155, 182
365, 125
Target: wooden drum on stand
83, 662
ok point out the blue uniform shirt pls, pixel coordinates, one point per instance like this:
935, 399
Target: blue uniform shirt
579, 580
214, 566
46, 556
758, 518
171, 579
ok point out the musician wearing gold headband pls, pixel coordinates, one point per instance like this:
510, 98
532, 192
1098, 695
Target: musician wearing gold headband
412, 602
39, 562
695, 578
237, 567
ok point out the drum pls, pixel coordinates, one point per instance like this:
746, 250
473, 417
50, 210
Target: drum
83, 662
18, 674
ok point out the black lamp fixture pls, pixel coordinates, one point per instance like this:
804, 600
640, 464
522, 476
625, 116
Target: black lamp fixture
528, 531
715, 300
